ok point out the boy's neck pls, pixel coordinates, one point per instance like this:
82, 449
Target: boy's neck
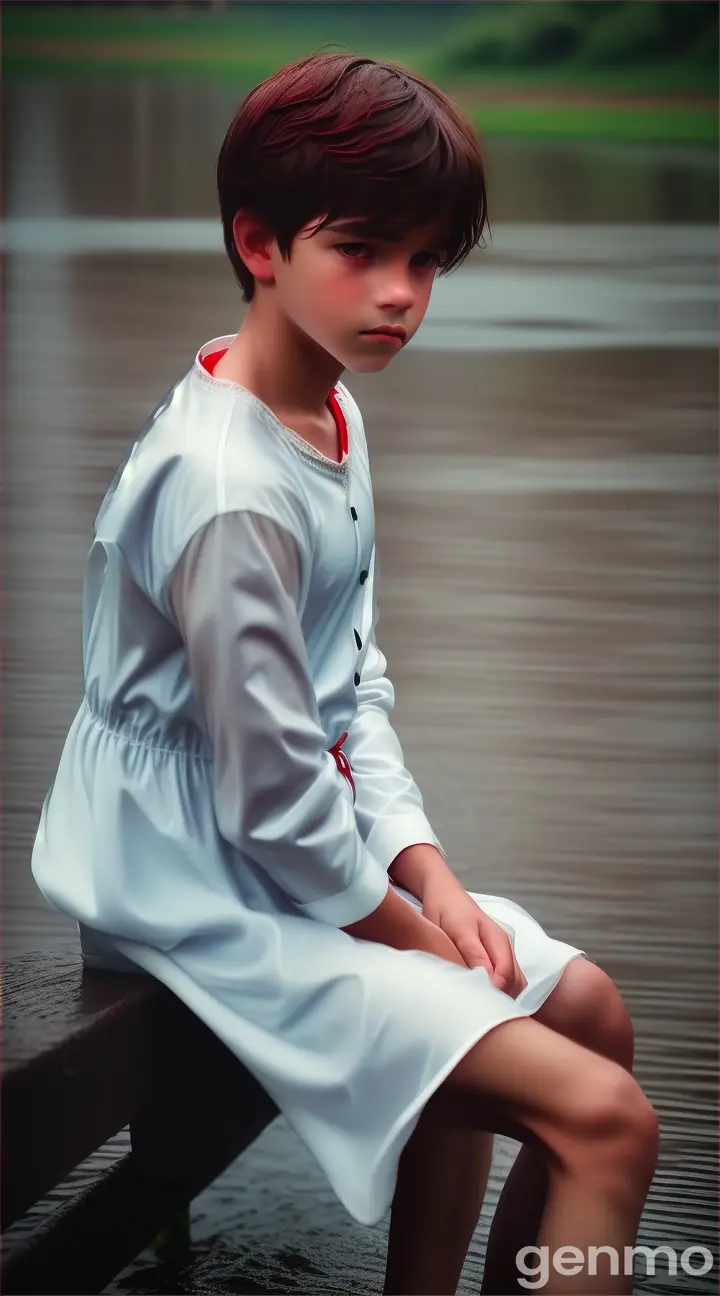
280, 365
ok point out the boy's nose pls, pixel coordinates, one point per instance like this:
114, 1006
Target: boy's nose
397, 293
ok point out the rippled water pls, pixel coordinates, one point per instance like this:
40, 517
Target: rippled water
547, 528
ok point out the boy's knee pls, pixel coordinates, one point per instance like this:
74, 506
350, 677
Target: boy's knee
587, 1006
615, 1120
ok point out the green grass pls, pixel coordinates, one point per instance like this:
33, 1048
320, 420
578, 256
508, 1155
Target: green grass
603, 123
249, 64
666, 123
245, 44
257, 58
682, 77
400, 26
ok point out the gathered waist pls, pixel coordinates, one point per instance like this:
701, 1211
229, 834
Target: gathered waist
187, 743
147, 729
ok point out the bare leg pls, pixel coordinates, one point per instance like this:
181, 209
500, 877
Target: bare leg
584, 1006
443, 1172
441, 1184
600, 1133
516, 1221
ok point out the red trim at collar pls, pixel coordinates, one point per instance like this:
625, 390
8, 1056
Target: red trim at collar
209, 362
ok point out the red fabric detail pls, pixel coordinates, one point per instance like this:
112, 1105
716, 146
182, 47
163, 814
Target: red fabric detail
342, 762
208, 363
334, 407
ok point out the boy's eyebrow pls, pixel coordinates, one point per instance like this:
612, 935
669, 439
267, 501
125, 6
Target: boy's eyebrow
369, 229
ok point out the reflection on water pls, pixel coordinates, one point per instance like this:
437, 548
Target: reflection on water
547, 527
144, 149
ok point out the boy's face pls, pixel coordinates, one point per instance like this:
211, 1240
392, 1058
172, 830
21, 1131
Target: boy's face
341, 283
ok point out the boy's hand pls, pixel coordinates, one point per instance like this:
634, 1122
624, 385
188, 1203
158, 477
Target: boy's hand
480, 941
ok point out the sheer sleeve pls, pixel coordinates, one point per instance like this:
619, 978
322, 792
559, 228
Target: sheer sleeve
278, 796
388, 805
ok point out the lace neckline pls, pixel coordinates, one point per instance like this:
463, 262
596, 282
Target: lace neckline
212, 351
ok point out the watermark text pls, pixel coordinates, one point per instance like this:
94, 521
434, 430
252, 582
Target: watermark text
535, 1263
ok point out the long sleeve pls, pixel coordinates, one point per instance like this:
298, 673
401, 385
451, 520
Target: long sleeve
278, 795
388, 806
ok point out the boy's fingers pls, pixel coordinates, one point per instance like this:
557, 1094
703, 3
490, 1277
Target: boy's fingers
507, 974
475, 955
492, 950
497, 944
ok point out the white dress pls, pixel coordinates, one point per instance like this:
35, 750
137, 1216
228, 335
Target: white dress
199, 824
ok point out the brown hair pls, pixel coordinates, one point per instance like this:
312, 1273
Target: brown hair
345, 135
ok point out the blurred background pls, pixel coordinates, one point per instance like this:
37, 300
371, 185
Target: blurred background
544, 460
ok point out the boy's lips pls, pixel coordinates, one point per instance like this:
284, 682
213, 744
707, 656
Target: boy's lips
389, 331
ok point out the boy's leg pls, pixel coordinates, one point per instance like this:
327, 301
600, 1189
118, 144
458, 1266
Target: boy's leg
599, 1131
585, 1006
441, 1184
443, 1173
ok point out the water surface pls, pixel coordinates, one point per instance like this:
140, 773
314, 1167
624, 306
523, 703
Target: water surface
546, 516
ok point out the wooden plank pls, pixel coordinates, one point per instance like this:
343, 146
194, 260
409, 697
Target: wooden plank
49, 1004
206, 1111
84, 1054
119, 1213
127, 1206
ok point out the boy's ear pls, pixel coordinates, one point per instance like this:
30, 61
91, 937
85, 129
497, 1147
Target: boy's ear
254, 245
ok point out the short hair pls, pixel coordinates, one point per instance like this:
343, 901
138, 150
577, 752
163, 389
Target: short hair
351, 137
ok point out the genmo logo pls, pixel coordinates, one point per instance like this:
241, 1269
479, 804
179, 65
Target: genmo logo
535, 1263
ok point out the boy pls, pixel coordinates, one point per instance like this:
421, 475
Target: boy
232, 813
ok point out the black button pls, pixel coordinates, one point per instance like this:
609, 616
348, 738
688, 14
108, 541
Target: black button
357, 678
363, 576
353, 514
358, 640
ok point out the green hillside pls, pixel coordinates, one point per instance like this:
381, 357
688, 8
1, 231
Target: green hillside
611, 69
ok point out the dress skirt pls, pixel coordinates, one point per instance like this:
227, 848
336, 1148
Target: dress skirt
351, 1038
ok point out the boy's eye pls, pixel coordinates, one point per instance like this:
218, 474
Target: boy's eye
434, 258
352, 250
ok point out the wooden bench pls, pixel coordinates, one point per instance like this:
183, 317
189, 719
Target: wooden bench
85, 1054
